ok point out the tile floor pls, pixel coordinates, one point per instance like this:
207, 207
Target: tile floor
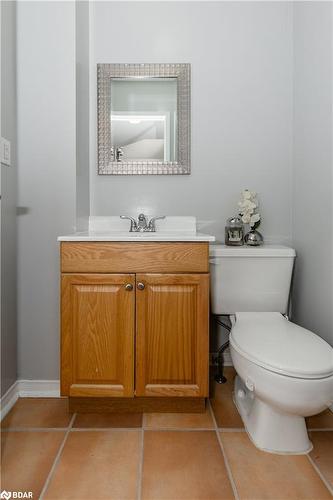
156, 456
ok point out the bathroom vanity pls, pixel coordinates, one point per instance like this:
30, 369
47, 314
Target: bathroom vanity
134, 320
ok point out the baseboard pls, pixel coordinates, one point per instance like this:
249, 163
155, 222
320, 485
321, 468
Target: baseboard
9, 399
39, 388
28, 389
226, 358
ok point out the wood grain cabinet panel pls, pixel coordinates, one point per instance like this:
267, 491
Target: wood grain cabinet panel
98, 315
172, 334
132, 257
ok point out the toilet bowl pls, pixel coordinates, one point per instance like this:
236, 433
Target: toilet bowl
285, 373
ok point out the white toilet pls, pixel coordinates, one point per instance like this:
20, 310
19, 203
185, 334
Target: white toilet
285, 372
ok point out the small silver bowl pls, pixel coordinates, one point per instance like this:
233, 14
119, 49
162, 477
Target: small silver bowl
253, 238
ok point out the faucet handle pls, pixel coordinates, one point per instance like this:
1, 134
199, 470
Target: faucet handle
151, 224
142, 225
142, 218
134, 225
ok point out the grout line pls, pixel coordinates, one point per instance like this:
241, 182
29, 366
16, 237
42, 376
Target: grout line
144, 418
145, 428
231, 429
321, 475
140, 472
104, 429
226, 462
57, 458
179, 429
35, 429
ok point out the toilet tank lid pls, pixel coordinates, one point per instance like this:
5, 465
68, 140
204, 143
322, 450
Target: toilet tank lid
247, 251
269, 340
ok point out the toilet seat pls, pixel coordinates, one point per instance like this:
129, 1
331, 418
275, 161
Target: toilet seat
269, 340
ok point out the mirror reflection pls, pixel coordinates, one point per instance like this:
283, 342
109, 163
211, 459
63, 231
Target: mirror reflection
144, 119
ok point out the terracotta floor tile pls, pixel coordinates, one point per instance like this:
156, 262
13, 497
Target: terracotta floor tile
27, 458
179, 420
38, 412
323, 420
322, 453
184, 466
261, 475
225, 411
97, 465
103, 420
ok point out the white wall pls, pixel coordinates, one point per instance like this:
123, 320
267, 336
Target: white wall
8, 183
47, 163
242, 135
241, 56
313, 166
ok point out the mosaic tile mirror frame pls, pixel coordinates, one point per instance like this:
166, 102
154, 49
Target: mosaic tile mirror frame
144, 119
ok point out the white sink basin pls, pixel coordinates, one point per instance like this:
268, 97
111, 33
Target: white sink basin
138, 235
147, 235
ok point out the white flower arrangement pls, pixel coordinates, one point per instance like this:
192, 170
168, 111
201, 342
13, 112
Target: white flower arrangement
248, 205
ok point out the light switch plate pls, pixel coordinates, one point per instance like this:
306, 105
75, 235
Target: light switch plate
5, 151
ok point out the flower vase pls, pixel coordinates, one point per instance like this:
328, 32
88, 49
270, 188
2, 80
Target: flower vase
253, 238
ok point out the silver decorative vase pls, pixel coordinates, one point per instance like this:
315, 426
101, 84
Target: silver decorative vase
234, 232
253, 238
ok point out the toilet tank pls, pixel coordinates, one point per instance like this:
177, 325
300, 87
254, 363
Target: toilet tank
250, 279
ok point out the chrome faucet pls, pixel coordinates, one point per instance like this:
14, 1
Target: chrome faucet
142, 225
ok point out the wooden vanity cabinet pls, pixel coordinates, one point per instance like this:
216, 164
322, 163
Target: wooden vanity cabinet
171, 335
97, 332
134, 320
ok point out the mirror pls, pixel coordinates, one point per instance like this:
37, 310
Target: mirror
143, 119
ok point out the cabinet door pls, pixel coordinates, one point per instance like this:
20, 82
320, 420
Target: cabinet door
172, 312
97, 337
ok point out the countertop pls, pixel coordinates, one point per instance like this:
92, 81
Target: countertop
113, 228
127, 236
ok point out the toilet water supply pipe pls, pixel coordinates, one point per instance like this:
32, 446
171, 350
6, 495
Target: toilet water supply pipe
219, 377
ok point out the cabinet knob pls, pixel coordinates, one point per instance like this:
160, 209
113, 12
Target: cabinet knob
141, 286
129, 287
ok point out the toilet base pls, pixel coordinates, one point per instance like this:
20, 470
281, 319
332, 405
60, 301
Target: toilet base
269, 429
